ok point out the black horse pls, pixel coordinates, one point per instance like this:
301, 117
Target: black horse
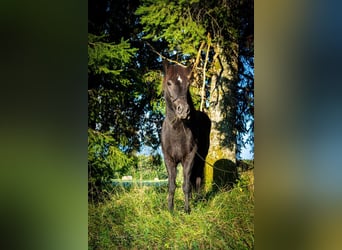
185, 133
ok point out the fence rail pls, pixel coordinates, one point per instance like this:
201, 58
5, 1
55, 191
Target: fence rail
130, 183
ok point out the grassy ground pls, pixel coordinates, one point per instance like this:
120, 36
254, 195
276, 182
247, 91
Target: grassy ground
138, 219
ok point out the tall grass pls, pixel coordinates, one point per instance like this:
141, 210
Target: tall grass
139, 219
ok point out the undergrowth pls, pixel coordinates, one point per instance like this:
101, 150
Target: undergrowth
138, 219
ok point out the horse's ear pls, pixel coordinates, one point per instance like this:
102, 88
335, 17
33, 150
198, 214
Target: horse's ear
189, 71
165, 66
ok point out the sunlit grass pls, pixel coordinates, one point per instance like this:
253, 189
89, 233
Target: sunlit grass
138, 219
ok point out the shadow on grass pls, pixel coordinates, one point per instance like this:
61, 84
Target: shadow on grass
226, 174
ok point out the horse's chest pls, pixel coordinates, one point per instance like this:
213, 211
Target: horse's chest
179, 143
182, 142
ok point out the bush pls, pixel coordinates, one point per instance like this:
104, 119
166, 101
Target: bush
105, 162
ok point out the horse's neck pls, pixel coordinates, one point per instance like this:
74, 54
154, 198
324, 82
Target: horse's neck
171, 115
190, 102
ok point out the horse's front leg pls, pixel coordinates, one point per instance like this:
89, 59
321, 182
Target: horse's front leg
187, 168
186, 188
172, 173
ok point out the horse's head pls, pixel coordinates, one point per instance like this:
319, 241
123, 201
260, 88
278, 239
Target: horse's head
176, 90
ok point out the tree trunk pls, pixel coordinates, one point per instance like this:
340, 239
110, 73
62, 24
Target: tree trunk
220, 169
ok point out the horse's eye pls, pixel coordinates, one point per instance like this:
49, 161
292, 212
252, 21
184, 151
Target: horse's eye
169, 83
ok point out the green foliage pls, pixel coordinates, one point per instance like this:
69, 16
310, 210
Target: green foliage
124, 102
107, 57
146, 167
125, 107
181, 26
154, 79
105, 162
150, 167
119, 94
172, 22
139, 219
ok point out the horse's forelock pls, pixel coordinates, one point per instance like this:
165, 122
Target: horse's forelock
175, 71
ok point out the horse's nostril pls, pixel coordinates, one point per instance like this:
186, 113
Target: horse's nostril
188, 110
179, 108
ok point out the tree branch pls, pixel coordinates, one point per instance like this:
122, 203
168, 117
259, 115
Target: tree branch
163, 57
204, 71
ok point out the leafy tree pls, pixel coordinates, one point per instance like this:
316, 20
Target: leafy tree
171, 21
125, 42
123, 109
216, 38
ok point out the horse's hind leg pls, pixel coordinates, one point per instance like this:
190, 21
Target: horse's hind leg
172, 173
198, 184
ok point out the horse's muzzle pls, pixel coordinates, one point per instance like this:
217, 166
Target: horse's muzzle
183, 111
